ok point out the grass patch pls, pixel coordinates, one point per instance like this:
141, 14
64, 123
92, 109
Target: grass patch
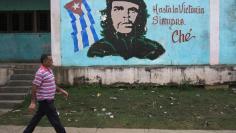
139, 107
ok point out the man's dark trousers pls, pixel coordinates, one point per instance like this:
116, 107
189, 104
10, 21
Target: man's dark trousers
46, 107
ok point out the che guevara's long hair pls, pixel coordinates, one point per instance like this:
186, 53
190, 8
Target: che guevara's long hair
138, 30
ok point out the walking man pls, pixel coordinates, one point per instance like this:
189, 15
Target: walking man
43, 90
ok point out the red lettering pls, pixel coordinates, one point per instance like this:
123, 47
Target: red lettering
179, 37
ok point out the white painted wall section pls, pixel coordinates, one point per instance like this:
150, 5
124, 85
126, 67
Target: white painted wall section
214, 31
55, 32
168, 75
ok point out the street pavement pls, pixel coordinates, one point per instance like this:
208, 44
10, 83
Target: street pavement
19, 129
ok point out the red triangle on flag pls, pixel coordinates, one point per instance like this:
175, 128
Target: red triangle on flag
75, 6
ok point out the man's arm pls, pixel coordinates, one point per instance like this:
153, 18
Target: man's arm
65, 93
32, 105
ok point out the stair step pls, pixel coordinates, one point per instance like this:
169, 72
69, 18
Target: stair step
27, 66
3, 111
19, 83
24, 71
7, 104
18, 86
22, 77
12, 96
15, 89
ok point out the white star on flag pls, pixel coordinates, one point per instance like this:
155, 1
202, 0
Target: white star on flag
76, 5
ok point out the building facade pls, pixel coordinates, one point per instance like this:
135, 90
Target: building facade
128, 41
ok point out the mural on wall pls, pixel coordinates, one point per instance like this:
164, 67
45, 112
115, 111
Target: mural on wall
228, 29
134, 32
124, 32
83, 30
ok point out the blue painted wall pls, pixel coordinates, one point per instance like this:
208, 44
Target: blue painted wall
24, 47
194, 51
228, 30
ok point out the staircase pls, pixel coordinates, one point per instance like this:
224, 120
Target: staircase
17, 87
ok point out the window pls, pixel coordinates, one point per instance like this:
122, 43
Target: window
24, 21
28, 21
43, 21
3, 22
15, 22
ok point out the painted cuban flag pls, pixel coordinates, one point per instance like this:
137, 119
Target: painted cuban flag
82, 22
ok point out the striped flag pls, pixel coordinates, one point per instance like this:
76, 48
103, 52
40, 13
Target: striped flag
84, 33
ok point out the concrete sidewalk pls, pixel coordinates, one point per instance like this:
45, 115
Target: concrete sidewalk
19, 129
